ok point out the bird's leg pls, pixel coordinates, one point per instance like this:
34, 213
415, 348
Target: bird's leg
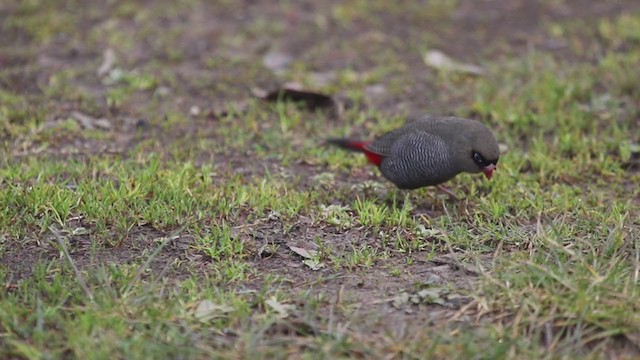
448, 192
399, 198
407, 197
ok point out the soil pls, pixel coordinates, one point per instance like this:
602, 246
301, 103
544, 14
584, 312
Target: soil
476, 29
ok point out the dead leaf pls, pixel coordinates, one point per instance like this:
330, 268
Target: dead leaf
320, 79
373, 92
276, 61
431, 280
324, 179
429, 296
282, 309
430, 233
310, 257
307, 254
89, 122
162, 91
314, 265
401, 300
432, 295
109, 59
80, 231
311, 100
438, 60
207, 310
194, 110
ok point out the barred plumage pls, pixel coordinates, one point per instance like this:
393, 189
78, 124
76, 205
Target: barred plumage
430, 151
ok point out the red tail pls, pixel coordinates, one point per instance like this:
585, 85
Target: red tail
359, 146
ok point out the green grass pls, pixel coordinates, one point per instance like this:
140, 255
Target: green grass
176, 240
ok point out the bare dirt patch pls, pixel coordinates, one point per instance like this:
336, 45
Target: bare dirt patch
214, 55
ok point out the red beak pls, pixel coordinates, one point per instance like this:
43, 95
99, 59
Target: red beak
488, 171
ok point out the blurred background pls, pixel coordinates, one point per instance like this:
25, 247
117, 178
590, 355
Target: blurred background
172, 152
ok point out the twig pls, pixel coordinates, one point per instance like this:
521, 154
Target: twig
451, 260
79, 277
463, 310
172, 236
451, 194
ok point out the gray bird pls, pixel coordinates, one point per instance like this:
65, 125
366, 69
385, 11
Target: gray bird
430, 151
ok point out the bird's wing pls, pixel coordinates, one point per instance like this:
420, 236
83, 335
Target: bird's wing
383, 144
418, 159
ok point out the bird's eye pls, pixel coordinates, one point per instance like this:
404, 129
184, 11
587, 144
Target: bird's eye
477, 158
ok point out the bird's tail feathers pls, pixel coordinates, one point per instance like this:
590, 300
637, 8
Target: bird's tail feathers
348, 144
358, 146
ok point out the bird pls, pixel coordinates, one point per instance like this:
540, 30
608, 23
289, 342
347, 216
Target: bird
429, 151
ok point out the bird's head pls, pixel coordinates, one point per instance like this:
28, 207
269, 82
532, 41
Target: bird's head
478, 149
484, 165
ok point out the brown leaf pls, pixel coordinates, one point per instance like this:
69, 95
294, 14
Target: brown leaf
438, 60
307, 254
206, 310
310, 100
310, 257
89, 122
276, 61
109, 60
280, 308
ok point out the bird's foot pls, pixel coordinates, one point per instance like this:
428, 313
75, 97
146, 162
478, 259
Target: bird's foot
448, 192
